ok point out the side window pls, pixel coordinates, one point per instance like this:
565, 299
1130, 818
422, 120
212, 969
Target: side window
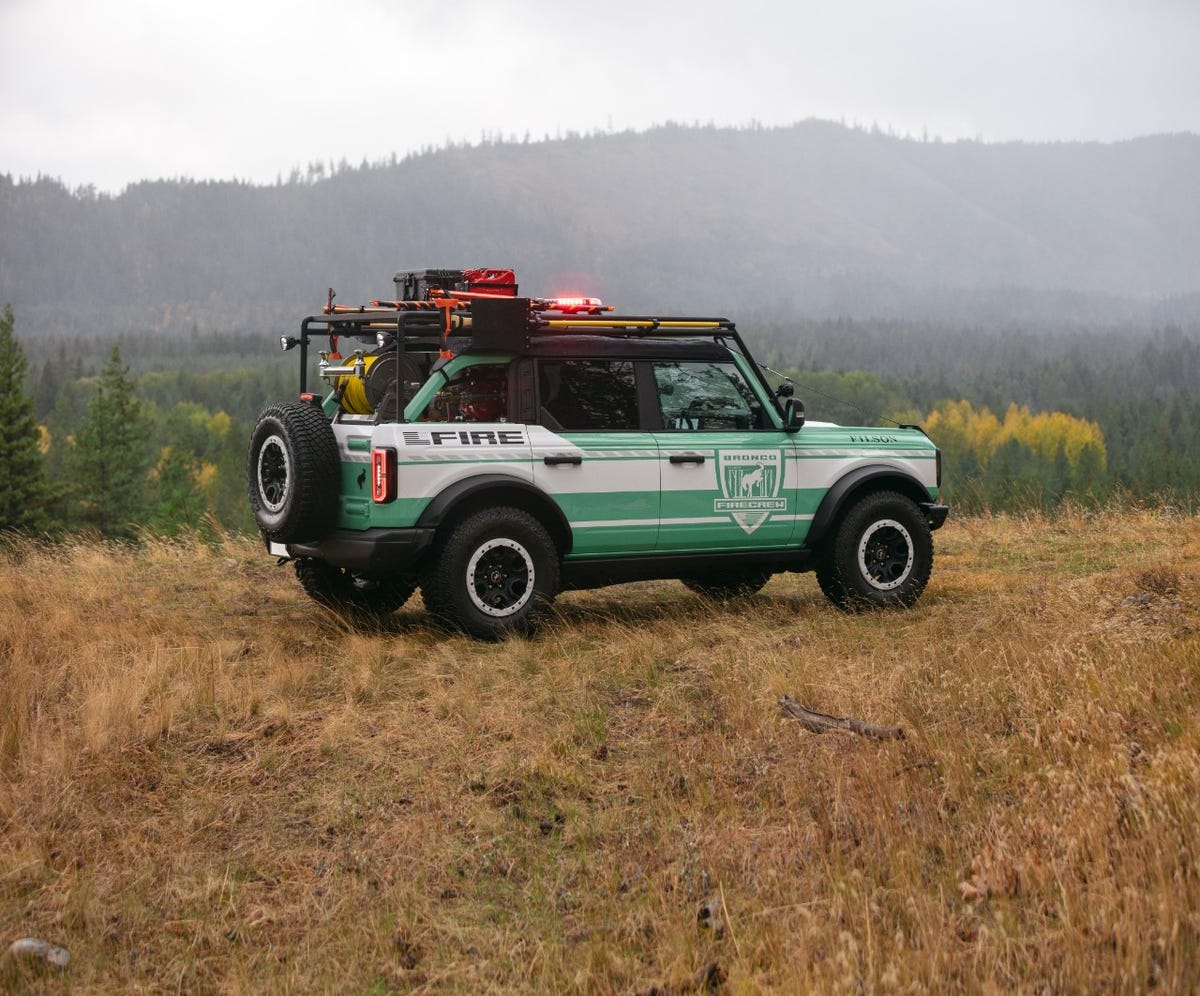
476, 394
705, 395
596, 395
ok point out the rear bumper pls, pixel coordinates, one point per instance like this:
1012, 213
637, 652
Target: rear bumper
935, 515
377, 552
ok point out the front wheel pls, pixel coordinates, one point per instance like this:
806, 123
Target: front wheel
494, 573
881, 556
827, 578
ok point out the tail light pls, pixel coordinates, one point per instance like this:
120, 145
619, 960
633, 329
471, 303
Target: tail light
383, 475
939, 467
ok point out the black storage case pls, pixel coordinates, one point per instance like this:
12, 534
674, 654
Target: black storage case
414, 285
500, 323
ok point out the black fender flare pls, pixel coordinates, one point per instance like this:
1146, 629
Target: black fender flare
873, 477
498, 489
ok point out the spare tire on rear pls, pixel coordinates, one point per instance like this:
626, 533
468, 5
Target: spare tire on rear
293, 473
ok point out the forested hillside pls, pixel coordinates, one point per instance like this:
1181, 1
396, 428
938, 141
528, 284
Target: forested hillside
1023, 420
1036, 306
813, 220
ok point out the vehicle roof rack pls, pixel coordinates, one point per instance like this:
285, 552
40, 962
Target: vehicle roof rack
479, 309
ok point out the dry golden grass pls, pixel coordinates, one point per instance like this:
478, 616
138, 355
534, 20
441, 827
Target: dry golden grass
208, 785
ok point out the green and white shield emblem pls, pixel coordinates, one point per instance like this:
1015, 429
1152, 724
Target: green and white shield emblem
750, 483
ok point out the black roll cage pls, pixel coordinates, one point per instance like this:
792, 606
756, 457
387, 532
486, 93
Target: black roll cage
432, 326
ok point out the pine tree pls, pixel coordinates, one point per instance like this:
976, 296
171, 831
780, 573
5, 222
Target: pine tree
179, 502
23, 492
110, 460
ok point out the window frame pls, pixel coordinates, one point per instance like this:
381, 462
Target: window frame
543, 413
759, 419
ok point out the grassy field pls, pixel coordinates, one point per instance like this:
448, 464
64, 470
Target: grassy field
208, 785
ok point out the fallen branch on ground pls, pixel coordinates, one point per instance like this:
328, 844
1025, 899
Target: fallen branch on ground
818, 722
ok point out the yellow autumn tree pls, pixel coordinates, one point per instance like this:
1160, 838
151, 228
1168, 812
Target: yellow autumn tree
1032, 453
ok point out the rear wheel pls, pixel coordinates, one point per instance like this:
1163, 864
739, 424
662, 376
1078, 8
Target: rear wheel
350, 593
721, 586
494, 573
882, 554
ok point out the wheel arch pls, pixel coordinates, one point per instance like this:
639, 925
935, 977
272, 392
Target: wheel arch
852, 486
490, 491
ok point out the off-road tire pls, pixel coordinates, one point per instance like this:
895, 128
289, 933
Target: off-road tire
722, 586
352, 594
827, 579
882, 553
293, 473
494, 573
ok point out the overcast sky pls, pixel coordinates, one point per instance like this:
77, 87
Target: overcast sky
110, 92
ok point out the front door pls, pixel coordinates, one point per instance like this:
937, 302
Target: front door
724, 464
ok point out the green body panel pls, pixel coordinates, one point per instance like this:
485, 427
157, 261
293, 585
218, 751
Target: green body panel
741, 497
401, 513
808, 500
611, 498
356, 510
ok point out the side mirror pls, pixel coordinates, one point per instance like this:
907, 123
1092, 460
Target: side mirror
793, 415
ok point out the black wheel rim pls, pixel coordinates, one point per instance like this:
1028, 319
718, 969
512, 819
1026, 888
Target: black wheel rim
273, 473
885, 554
500, 577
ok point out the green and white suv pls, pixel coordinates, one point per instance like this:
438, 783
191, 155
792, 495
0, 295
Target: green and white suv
494, 450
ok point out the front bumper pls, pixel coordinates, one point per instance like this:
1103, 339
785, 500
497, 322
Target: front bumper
377, 552
935, 515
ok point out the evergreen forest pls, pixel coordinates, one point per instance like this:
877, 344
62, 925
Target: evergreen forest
149, 436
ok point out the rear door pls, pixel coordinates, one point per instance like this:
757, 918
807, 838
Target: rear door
723, 460
591, 456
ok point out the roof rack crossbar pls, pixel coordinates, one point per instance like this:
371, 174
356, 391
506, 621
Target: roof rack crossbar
424, 322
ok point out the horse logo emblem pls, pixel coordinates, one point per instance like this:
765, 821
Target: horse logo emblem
750, 483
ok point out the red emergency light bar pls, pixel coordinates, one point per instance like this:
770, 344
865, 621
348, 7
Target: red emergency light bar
572, 305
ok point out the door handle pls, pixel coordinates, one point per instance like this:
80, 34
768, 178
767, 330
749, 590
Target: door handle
555, 461
687, 458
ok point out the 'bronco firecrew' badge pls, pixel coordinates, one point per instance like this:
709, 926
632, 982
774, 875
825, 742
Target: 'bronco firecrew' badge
750, 482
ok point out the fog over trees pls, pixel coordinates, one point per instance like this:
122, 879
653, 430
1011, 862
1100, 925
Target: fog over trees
813, 220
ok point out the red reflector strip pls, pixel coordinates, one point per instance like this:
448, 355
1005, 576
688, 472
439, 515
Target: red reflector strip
383, 475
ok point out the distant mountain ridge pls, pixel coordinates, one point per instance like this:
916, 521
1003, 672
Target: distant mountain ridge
815, 219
